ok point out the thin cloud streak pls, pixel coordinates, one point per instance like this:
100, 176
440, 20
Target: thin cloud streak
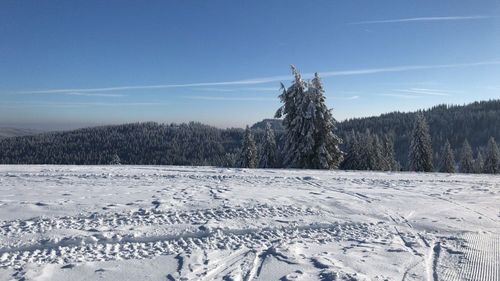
93, 95
165, 86
423, 19
404, 68
401, 96
346, 98
77, 104
352, 98
218, 98
253, 89
264, 80
429, 92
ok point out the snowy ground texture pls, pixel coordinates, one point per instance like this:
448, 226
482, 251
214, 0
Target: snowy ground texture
204, 223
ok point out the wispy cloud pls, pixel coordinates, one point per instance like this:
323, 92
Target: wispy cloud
261, 89
77, 104
346, 98
93, 94
404, 68
415, 93
401, 96
222, 98
228, 90
264, 80
246, 89
427, 83
165, 86
428, 92
424, 19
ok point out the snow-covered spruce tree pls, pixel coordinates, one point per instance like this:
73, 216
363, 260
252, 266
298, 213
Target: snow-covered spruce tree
352, 157
248, 156
268, 152
378, 161
447, 160
115, 160
466, 159
388, 154
309, 140
492, 160
420, 155
230, 160
365, 151
327, 153
291, 98
479, 163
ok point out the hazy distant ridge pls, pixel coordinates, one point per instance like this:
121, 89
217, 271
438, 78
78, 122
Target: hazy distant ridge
7, 132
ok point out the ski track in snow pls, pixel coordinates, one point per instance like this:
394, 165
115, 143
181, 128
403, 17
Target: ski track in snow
147, 247
149, 217
311, 225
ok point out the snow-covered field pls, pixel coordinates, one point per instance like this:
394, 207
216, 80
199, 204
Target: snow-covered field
204, 223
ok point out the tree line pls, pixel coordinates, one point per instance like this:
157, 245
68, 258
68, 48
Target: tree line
421, 151
476, 122
443, 138
139, 144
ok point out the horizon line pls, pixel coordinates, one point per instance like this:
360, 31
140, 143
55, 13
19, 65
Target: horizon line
93, 124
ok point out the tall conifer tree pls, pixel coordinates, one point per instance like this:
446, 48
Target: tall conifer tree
492, 160
248, 157
309, 140
466, 158
479, 163
268, 152
447, 159
420, 155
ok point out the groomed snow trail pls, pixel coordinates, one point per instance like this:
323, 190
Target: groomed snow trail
482, 257
205, 223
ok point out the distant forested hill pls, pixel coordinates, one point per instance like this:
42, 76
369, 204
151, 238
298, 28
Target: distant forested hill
198, 144
476, 122
141, 143
276, 125
15, 132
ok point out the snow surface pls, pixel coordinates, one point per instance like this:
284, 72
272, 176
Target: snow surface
205, 223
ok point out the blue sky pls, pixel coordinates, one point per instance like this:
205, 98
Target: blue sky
67, 64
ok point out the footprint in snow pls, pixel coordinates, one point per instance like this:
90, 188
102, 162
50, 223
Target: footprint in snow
68, 266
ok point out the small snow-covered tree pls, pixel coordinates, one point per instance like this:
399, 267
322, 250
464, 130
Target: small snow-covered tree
378, 159
366, 151
492, 161
420, 155
309, 140
230, 160
466, 158
115, 160
447, 159
352, 159
268, 157
479, 163
388, 153
248, 156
